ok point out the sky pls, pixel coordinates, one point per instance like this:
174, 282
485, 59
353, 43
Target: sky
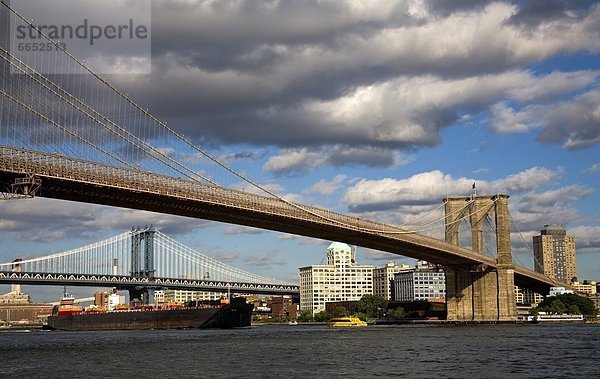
378, 109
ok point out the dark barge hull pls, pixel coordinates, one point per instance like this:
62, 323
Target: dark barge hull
236, 314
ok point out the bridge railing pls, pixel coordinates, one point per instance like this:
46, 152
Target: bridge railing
26, 161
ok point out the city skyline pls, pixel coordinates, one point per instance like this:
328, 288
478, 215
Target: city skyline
379, 110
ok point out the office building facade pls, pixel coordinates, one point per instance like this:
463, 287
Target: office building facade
424, 283
383, 279
341, 279
525, 296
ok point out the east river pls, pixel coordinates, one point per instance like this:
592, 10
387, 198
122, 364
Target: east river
282, 351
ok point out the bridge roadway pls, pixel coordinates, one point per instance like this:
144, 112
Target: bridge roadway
129, 282
77, 180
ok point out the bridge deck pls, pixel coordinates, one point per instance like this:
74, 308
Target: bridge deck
78, 180
127, 282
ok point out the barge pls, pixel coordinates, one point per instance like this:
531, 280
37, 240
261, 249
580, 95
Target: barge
236, 313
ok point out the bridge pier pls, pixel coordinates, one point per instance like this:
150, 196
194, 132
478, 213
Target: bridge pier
478, 292
484, 295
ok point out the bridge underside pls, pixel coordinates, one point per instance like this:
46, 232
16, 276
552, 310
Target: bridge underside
126, 198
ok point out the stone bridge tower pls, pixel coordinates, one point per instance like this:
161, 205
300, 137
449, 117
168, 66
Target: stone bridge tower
480, 293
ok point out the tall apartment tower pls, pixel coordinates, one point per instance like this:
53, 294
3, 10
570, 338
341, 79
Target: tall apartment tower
554, 253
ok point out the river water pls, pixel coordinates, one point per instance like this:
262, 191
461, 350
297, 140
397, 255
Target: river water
282, 351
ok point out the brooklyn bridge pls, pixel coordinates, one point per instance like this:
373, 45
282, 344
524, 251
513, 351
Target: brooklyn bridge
78, 137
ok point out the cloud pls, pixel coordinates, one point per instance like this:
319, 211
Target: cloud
553, 201
292, 161
409, 112
364, 80
535, 12
421, 189
242, 155
226, 256
415, 203
35, 220
573, 123
106, 55
304, 241
327, 188
266, 259
528, 180
587, 238
238, 229
532, 210
301, 161
376, 255
593, 169
430, 188
555, 84
506, 120
337, 73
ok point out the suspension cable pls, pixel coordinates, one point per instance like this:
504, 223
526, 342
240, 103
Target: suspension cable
192, 145
94, 117
67, 130
173, 132
528, 248
423, 215
68, 253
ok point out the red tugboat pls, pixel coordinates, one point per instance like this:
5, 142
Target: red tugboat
67, 306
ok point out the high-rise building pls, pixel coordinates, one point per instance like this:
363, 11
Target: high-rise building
554, 253
383, 279
341, 279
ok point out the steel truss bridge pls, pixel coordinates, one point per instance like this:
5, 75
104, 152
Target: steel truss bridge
140, 259
76, 136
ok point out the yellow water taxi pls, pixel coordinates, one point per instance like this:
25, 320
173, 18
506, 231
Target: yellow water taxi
346, 321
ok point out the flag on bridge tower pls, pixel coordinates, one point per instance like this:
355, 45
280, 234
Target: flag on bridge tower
474, 189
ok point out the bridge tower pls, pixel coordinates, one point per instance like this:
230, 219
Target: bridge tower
480, 293
142, 261
16, 288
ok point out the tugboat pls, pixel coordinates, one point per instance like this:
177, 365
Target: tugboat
66, 306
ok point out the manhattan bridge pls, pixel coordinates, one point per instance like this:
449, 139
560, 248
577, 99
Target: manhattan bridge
140, 259
68, 133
